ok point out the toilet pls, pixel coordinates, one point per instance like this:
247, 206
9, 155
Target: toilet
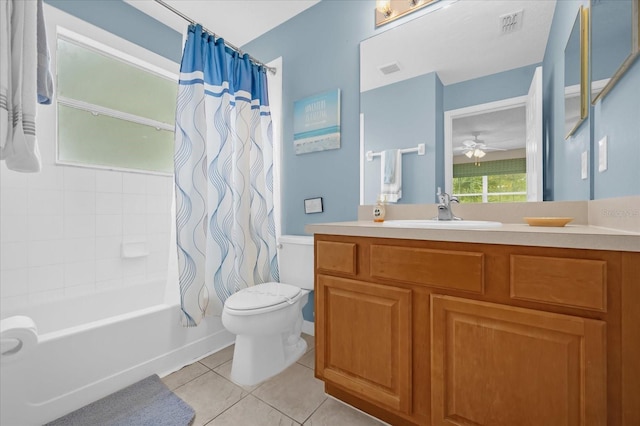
267, 318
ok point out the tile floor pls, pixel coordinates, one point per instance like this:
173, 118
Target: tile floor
294, 397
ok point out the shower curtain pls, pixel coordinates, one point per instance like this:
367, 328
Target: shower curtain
223, 175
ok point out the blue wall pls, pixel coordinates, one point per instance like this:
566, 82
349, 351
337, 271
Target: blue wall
611, 44
491, 88
393, 116
618, 117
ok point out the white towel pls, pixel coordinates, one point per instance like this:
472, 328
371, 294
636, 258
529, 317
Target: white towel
391, 191
18, 69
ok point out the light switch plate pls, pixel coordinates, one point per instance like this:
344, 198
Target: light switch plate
602, 154
585, 165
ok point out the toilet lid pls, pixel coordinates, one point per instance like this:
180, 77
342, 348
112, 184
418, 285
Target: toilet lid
262, 296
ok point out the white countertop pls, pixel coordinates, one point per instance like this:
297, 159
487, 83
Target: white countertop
569, 236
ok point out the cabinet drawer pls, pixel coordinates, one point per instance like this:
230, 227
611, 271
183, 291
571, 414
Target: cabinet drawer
560, 281
336, 257
457, 270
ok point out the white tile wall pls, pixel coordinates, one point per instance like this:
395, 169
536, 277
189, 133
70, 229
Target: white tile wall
79, 179
45, 227
108, 225
109, 203
13, 230
14, 282
13, 201
45, 202
61, 231
13, 255
44, 252
108, 181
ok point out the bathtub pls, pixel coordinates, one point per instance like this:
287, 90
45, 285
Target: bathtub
91, 346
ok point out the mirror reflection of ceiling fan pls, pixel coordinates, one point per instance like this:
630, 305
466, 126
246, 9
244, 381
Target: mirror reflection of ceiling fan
475, 148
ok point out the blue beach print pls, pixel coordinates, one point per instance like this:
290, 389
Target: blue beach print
316, 123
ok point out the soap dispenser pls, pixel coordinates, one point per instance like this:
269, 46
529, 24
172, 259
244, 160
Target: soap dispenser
379, 210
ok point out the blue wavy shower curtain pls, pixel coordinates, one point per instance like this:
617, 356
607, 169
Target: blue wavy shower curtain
223, 175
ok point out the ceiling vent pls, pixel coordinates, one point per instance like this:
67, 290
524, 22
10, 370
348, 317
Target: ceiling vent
511, 22
389, 68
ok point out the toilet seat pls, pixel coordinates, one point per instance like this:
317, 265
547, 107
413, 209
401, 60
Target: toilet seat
262, 298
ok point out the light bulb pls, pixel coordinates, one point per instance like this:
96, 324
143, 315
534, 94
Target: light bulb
384, 7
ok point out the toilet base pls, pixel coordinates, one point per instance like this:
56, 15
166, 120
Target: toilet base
257, 358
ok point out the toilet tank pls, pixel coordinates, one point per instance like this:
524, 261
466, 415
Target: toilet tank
295, 260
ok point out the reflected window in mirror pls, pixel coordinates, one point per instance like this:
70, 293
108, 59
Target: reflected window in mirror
614, 24
576, 96
497, 181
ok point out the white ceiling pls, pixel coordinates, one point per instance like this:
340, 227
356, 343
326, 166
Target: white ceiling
503, 129
237, 21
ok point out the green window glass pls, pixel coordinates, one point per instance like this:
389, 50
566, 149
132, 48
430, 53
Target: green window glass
113, 113
500, 181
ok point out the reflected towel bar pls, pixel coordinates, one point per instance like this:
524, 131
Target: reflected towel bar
419, 149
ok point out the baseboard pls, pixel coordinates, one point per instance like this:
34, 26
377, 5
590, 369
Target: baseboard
308, 328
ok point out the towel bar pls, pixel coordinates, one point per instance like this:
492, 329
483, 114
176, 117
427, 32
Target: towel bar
419, 149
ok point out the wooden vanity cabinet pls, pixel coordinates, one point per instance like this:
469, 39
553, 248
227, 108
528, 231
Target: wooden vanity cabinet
441, 333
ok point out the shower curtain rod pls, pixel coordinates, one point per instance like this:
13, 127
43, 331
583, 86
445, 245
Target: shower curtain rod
272, 70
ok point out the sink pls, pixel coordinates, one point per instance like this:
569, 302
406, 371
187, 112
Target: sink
442, 224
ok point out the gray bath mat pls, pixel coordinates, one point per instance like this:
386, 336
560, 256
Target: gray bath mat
148, 402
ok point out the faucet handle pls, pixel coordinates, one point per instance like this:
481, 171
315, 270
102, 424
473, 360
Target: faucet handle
454, 200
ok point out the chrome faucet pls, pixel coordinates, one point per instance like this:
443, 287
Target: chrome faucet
444, 207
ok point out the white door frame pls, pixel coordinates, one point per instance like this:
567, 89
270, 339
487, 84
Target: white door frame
503, 104
449, 116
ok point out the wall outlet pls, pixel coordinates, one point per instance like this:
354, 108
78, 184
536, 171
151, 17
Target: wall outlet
602, 154
585, 165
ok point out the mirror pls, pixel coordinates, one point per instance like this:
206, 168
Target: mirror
576, 102
615, 41
409, 83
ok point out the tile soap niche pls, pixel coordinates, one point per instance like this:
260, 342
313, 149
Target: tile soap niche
133, 249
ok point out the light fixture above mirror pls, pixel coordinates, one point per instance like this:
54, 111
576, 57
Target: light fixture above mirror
389, 10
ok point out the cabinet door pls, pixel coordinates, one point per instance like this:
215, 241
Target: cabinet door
364, 337
500, 365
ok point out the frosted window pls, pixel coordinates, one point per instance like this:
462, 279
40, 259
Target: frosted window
111, 142
112, 113
96, 78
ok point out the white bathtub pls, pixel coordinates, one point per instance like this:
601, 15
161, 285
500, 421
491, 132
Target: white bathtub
91, 346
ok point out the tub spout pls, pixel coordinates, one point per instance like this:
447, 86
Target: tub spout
18, 337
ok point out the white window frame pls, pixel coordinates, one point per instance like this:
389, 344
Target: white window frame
75, 30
